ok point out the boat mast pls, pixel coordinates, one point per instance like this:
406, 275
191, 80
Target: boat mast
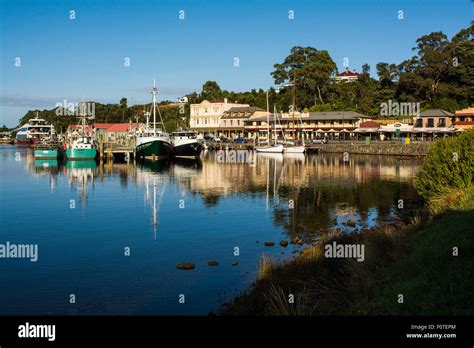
268, 121
154, 91
293, 107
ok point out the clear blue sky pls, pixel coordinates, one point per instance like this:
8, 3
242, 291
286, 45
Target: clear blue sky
63, 58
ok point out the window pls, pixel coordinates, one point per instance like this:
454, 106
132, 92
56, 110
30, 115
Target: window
431, 122
419, 123
231, 122
442, 122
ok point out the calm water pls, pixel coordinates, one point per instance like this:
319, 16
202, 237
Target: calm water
83, 216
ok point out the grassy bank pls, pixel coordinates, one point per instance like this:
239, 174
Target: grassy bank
414, 260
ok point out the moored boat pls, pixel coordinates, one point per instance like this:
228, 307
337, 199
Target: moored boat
33, 131
47, 148
80, 145
186, 144
153, 142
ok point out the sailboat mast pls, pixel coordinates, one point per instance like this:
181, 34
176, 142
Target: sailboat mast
293, 108
268, 121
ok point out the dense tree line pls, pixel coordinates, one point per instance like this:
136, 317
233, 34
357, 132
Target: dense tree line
440, 74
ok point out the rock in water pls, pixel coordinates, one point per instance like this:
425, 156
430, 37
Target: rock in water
235, 263
351, 223
269, 244
213, 263
185, 265
284, 243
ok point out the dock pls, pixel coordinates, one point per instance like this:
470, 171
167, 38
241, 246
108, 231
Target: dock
111, 150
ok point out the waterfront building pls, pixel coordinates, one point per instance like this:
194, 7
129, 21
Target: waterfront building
367, 129
205, 117
432, 123
395, 130
464, 119
232, 123
306, 125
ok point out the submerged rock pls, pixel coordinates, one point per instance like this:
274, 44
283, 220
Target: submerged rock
284, 243
234, 263
269, 243
351, 223
185, 265
213, 263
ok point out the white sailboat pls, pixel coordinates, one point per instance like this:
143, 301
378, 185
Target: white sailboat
269, 148
292, 148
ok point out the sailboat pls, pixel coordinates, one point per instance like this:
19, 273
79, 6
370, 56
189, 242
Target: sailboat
152, 142
269, 148
292, 148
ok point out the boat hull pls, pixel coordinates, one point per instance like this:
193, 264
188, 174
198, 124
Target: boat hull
46, 153
81, 154
189, 150
26, 141
294, 149
270, 149
154, 149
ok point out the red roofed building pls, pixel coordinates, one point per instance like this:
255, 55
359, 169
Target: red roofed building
347, 76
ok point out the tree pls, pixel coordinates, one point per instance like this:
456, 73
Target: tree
309, 69
433, 58
211, 91
123, 106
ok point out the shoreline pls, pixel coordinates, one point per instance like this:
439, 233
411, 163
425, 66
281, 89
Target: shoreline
396, 277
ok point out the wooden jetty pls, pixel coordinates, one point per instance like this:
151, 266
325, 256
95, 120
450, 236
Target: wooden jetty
112, 150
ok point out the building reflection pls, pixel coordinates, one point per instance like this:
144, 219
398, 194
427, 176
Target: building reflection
305, 195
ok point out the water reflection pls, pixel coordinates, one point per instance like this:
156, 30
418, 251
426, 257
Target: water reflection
307, 195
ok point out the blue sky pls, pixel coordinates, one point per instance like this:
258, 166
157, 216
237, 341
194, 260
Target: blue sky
70, 59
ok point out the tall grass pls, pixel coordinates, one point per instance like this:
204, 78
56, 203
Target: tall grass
446, 178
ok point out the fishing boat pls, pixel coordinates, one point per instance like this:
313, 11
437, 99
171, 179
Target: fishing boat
33, 131
80, 145
267, 146
47, 148
153, 142
186, 144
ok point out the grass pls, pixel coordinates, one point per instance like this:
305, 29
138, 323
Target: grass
414, 260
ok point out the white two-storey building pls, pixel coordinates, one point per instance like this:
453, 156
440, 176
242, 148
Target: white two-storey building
206, 116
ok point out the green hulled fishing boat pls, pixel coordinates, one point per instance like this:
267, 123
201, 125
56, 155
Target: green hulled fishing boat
47, 148
153, 142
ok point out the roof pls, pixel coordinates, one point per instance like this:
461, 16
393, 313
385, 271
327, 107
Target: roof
348, 73
369, 124
403, 127
240, 109
465, 123
120, 128
102, 125
465, 112
319, 116
436, 113
335, 115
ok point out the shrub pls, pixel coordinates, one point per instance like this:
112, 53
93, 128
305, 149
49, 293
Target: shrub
446, 177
